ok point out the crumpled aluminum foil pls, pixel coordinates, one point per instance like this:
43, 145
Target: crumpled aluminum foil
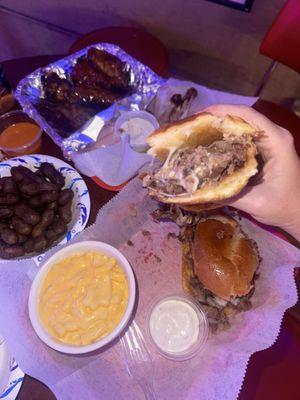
144, 81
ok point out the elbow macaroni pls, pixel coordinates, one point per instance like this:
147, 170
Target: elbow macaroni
83, 298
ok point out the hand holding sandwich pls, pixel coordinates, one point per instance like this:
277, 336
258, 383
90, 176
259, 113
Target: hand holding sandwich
275, 198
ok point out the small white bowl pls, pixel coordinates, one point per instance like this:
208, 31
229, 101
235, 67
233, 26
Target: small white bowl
138, 125
33, 301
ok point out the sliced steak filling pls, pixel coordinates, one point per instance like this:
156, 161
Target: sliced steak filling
187, 169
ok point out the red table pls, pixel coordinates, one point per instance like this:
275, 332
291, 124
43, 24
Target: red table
272, 374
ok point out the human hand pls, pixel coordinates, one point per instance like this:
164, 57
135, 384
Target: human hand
275, 198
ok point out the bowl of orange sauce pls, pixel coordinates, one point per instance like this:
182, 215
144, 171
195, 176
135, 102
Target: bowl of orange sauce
19, 134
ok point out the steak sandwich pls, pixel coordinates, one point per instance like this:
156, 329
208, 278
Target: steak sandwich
204, 159
219, 268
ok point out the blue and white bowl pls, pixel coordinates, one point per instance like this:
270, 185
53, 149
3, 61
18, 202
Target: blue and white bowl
81, 203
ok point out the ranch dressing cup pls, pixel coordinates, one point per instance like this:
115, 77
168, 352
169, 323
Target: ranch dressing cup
138, 125
177, 327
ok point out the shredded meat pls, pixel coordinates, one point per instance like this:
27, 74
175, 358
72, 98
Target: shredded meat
176, 214
189, 168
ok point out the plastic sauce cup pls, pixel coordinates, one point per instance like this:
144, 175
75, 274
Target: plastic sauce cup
138, 125
19, 134
177, 327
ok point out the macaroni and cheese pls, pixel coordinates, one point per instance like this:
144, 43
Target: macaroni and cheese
83, 298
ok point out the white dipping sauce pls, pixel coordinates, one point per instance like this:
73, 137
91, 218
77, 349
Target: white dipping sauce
174, 326
138, 129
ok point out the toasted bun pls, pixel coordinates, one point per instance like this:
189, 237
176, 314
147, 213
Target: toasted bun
225, 261
203, 129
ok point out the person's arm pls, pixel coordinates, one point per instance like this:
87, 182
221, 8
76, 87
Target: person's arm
275, 197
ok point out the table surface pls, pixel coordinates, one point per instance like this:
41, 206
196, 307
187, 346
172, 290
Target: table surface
271, 374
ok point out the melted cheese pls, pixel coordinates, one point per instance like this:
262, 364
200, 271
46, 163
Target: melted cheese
83, 298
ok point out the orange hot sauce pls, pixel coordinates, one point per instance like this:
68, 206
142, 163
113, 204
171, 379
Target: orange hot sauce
20, 138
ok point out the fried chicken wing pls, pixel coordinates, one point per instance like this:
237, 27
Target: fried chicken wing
88, 95
79, 115
56, 89
86, 74
65, 118
55, 117
111, 66
96, 81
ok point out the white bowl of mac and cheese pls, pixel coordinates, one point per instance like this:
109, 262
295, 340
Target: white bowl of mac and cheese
82, 297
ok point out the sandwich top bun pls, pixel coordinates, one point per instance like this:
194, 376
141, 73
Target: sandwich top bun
225, 260
203, 129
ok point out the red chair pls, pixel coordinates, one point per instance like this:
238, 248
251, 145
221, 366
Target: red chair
282, 41
137, 42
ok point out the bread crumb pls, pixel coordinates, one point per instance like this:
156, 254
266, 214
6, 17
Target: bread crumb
130, 243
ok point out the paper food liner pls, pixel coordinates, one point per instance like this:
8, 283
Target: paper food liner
215, 373
161, 107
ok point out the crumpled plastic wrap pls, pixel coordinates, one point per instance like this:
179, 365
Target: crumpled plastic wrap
143, 80
215, 373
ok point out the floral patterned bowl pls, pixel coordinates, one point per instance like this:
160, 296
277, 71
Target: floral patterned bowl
81, 203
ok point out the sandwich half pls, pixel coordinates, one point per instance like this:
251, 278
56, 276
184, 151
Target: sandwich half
203, 159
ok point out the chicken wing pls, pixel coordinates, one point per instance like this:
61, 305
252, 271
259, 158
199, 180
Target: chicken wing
56, 89
111, 66
88, 95
85, 74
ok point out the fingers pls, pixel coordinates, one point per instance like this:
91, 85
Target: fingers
247, 113
272, 140
248, 200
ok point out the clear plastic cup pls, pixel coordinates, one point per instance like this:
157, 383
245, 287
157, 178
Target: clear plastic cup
138, 125
30, 134
190, 325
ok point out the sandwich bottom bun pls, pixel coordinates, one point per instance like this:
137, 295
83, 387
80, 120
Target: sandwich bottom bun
224, 259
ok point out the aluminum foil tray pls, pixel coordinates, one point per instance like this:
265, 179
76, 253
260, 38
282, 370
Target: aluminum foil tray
143, 81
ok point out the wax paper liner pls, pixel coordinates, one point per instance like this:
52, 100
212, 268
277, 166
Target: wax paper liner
143, 81
155, 255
